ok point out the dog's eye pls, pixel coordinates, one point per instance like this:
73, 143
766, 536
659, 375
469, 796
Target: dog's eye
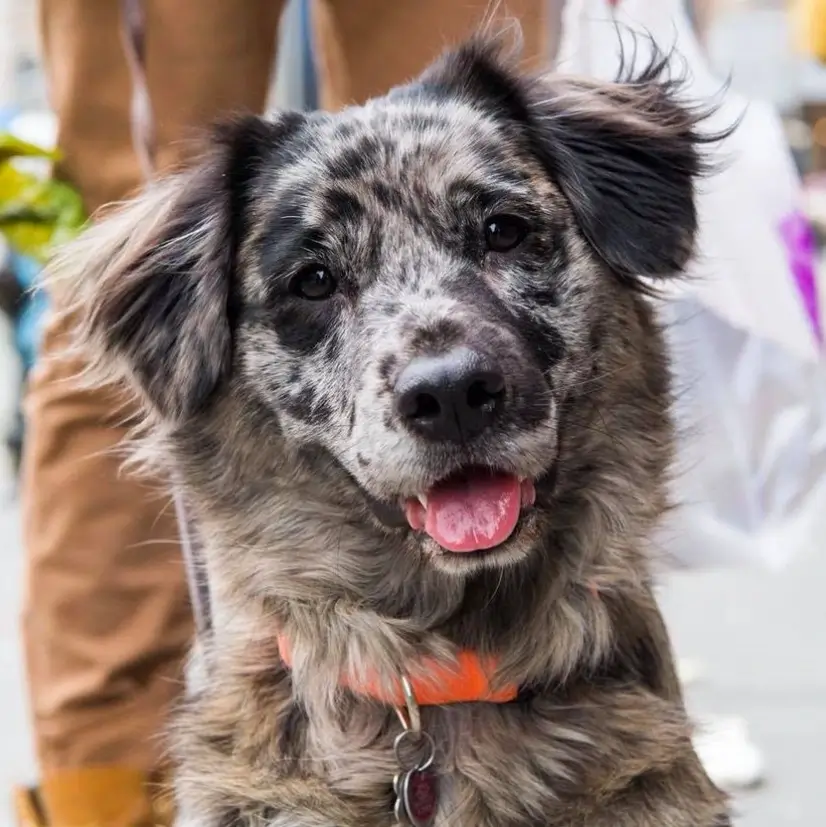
313, 283
504, 232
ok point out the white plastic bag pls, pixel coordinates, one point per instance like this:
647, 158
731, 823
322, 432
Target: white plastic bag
745, 329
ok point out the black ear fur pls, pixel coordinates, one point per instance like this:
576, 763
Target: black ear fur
483, 70
168, 317
626, 154
155, 286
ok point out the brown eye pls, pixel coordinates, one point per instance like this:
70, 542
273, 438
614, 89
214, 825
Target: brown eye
314, 283
504, 232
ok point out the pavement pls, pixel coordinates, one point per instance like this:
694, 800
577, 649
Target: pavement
756, 633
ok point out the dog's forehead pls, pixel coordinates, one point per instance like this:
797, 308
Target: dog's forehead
421, 144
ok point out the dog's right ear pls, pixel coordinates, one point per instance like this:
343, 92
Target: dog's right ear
149, 287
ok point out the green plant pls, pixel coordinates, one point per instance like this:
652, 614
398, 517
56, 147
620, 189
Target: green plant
36, 215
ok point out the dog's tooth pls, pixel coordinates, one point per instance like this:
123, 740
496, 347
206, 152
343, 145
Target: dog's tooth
423, 500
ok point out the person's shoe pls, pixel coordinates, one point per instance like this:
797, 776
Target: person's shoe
690, 672
729, 756
26, 807
94, 797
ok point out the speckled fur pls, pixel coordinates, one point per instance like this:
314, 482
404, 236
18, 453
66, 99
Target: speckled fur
276, 415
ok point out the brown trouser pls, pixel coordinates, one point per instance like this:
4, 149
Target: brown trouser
106, 620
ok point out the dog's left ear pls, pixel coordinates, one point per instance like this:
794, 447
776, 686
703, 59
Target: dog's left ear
149, 288
626, 155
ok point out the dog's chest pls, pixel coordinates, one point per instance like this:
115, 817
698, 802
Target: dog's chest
491, 765
260, 756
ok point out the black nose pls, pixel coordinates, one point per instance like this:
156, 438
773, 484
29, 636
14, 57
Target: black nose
452, 397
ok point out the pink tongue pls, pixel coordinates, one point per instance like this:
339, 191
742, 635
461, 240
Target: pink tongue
476, 512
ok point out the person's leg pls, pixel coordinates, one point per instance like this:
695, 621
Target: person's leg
206, 58
106, 619
367, 46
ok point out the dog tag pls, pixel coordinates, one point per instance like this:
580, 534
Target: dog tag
417, 798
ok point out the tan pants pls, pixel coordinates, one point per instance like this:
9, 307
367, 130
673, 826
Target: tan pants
106, 619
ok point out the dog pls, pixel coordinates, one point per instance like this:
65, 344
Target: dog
405, 366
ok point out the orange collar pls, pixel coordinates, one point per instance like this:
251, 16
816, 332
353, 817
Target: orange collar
465, 681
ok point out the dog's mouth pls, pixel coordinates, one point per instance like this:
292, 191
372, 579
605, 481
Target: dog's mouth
474, 509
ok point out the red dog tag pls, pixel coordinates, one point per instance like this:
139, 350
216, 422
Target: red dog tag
417, 799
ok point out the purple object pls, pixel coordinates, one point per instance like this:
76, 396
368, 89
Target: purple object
421, 797
799, 239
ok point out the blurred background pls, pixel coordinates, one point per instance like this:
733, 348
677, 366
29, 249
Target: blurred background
750, 639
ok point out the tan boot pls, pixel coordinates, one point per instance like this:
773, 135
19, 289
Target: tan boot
94, 797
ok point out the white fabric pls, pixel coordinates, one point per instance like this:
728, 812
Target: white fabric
752, 404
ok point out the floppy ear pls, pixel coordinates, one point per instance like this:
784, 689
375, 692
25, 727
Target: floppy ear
150, 287
626, 155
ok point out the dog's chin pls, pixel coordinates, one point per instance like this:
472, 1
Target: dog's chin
513, 551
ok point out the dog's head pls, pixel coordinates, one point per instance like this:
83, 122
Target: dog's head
434, 303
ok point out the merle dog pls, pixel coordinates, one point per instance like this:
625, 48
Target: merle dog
404, 364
